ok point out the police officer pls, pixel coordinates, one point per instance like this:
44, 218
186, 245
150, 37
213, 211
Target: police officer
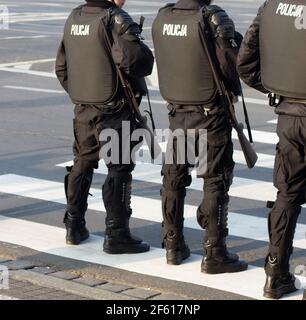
271, 60
186, 83
86, 70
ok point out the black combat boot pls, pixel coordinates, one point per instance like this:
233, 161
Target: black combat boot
117, 198
76, 229
75, 222
218, 259
279, 281
118, 241
282, 223
177, 249
173, 225
118, 238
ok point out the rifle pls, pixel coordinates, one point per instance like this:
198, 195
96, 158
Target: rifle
149, 136
226, 100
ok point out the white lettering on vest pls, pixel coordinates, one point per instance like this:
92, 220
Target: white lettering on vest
175, 30
80, 30
290, 10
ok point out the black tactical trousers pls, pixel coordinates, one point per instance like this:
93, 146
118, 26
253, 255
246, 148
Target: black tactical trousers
89, 121
217, 178
290, 180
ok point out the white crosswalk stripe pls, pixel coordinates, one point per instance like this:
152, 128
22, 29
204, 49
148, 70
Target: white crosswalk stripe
274, 121
248, 283
264, 160
242, 187
252, 227
16, 17
240, 225
261, 136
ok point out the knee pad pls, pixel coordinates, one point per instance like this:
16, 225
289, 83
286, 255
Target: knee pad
82, 167
176, 177
214, 185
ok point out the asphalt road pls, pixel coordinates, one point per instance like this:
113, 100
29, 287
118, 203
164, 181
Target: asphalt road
36, 136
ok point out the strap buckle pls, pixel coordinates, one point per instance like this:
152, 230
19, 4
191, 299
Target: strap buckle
206, 111
274, 99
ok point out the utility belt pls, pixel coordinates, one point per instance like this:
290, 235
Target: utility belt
119, 103
208, 109
288, 106
110, 107
294, 100
275, 100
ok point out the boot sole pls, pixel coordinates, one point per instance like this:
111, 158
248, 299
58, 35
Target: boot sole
277, 294
178, 260
221, 268
74, 243
123, 249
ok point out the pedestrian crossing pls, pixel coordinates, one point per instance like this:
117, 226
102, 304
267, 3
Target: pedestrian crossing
244, 188
264, 160
57, 16
29, 234
245, 226
247, 283
240, 225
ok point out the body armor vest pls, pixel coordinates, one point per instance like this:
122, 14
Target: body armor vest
92, 77
283, 48
184, 73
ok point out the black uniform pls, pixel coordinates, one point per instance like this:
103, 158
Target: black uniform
186, 82
86, 70
271, 60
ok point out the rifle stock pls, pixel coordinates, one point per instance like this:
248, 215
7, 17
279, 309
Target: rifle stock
246, 147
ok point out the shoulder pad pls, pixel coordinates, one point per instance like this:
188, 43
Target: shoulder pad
212, 9
123, 23
121, 16
220, 22
168, 5
220, 18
